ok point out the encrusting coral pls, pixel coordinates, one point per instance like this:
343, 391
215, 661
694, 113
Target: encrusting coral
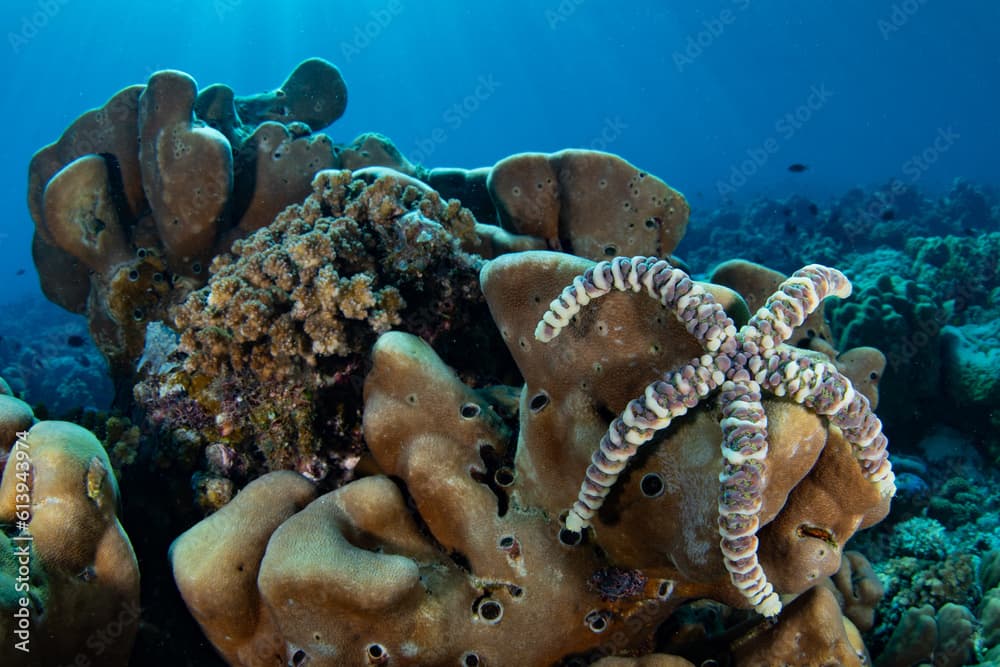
274, 348
69, 580
489, 562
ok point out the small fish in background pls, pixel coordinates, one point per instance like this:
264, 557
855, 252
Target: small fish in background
787, 212
813, 209
797, 167
888, 214
75, 341
20, 272
84, 361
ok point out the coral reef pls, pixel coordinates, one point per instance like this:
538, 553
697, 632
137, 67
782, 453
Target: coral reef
989, 609
945, 637
961, 270
70, 580
484, 572
137, 197
920, 265
902, 318
971, 375
859, 222
49, 361
452, 547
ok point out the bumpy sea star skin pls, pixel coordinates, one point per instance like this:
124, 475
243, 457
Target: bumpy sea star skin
740, 364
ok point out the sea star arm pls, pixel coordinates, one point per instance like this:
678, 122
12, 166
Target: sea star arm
696, 308
821, 387
663, 400
661, 403
794, 300
743, 363
744, 451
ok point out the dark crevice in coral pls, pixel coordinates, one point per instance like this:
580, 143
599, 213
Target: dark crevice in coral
494, 462
461, 560
720, 628
605, 413
116, 187
168, 634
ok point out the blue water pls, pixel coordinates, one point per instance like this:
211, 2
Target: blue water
717, 98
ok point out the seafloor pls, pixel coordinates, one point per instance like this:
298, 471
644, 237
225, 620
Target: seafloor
350, 406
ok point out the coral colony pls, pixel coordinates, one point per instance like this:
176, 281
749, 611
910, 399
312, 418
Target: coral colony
392, 415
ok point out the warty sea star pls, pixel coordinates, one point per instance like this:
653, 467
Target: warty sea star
740, 364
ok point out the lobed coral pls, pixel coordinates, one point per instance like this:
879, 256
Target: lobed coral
69, 580
587, 203
136, 198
